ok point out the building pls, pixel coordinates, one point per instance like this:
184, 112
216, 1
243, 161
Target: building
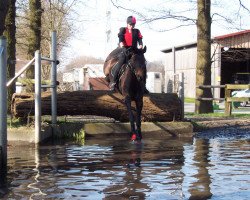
154, 82
89, 77
230, 55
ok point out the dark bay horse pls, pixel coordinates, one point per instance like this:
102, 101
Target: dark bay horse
131, 85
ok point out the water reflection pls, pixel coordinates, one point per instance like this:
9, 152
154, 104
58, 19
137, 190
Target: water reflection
113, 168
200, 188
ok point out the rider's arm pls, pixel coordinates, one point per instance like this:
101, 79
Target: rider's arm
140, 40
121, 36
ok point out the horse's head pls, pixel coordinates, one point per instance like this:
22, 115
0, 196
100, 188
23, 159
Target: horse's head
138, 63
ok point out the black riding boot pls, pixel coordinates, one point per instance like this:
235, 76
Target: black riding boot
113, 77
115, 71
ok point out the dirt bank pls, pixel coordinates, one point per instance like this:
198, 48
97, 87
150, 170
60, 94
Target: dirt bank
221, 127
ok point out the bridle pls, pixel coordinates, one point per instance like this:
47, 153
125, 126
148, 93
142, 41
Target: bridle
133, 70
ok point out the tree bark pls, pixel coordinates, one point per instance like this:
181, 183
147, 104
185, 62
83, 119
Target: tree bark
157, 107
203, 66
3, 13
35, 16
10, 33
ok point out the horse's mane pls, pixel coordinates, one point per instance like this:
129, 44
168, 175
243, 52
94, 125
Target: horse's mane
140, 54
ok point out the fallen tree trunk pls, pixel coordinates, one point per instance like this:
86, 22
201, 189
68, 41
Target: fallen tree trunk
157, 107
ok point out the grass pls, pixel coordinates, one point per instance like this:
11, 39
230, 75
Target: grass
66, 130
214, 115
15, 123
18, 122
189, 100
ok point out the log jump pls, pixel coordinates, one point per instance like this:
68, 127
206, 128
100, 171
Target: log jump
157, 106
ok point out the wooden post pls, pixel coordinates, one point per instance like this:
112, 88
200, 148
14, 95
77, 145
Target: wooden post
228, 105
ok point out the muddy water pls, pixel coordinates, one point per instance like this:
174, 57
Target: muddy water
113, 168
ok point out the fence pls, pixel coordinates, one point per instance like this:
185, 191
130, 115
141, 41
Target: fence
3, 108
3, 93
3, 96
228, 98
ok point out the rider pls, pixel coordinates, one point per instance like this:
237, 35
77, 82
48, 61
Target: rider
128, 37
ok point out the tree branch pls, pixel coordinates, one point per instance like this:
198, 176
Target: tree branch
243, 6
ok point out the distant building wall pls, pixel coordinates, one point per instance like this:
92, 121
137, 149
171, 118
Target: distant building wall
185, 61
89, 77
154, 82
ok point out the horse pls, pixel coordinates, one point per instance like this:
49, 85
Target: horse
131, 84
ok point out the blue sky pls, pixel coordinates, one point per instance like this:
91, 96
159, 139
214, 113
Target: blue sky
93, 25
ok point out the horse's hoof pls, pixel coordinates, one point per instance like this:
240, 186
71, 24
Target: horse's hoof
133, 137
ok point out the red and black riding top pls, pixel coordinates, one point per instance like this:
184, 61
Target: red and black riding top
130, 39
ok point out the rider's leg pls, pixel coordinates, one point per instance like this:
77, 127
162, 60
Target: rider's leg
115, 70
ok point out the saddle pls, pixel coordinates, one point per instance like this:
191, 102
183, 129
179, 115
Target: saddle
112, 60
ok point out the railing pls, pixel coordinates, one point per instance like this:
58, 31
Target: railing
21, 71
228, 98
3, 106
3, 89
3, 96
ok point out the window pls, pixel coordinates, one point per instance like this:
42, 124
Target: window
157, 76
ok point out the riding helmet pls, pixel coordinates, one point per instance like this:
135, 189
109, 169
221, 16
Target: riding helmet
131, 20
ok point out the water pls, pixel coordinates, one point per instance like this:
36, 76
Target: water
113, 168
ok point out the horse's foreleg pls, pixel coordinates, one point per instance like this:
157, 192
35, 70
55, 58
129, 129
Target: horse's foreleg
139, 105
130, 113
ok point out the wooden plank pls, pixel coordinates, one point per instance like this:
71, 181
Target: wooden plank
240, 99
237, 86
210, 86
210, 99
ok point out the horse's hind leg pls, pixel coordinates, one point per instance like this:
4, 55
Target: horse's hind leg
139, 105
131, 118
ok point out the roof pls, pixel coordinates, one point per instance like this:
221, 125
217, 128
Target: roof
180, 47
194, 44
231, 35
98, 84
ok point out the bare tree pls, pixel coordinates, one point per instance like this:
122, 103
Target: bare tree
58, 15
203, 65
3, 12
10, 33
34, 40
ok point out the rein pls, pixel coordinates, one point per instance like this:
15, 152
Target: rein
129, 65
131, 68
